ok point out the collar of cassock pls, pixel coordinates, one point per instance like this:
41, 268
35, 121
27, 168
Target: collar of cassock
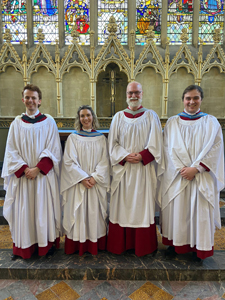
138, 111
197, 115
37, 117
31, 116
93, 133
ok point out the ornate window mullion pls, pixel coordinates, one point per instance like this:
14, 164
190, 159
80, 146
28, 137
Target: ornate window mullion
94, 19
131, 17
1, 41
30, 35
195, 23
164, 24
61, 17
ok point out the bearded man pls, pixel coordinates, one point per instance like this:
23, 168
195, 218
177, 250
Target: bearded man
136, 154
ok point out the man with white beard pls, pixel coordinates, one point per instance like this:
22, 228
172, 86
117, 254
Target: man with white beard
136, 154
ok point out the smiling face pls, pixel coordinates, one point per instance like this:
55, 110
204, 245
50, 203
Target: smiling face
31, 101
192, 101
86, 118
134, 95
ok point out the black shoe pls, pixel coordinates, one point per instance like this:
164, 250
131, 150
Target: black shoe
50, 252
195, 258
153, 254
170, 252
14, 257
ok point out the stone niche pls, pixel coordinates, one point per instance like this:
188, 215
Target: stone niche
213, 85
75, 91
104, 89
177, 84
46, 82
152, 89
11, 86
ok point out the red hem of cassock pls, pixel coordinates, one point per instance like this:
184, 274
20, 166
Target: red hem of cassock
88, 246
27, 252
143, 240
187, 248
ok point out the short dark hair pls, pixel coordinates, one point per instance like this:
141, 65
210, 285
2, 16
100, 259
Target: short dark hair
33, 88
191, 88
78, 125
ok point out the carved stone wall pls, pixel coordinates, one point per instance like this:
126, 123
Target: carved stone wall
69, 76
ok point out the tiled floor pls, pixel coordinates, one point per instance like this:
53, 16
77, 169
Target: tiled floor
111, 290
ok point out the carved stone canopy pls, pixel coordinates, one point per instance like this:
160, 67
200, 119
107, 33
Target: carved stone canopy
112, 26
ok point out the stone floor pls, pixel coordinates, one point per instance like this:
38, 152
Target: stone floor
143, 289
111, 290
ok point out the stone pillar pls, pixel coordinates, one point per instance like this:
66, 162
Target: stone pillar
30, 35
195, 23
164, 23
1, 39
131, 18
94, 20
93, 95
61, 24
223, 37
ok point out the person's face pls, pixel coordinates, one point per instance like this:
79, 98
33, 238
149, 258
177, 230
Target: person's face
31, 101
86, 118
192, 101
134, 94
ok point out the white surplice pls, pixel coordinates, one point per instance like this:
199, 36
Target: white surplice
190, 209
133, 188
85, 210
32, 207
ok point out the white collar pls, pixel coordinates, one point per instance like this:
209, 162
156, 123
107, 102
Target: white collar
192, 114
88, 130
31, 116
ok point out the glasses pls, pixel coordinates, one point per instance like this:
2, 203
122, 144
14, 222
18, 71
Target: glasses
137, 93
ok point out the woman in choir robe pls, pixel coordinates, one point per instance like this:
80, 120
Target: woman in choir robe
85, 180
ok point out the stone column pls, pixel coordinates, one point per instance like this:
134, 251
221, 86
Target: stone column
30, 35
1, 40
195, 23
223, 37
61, 24
94, 20
131, 18
164, 23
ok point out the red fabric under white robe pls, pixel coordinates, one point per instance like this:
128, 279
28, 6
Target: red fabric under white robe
134, 186
190, 209
85, 210
32, 207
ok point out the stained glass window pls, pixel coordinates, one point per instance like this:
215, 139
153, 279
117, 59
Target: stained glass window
14, 17
77, 13
148, 13
179, 16
211, 16
118, 9
45, 16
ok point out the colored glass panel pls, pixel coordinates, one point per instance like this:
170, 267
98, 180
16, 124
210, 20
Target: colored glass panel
180, 15
211, 16
14, 17
45, 16
148, 13
118, 9
77, 13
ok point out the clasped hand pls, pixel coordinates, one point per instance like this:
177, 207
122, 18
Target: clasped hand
133, 158
188, 172
88, 182
31, 173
